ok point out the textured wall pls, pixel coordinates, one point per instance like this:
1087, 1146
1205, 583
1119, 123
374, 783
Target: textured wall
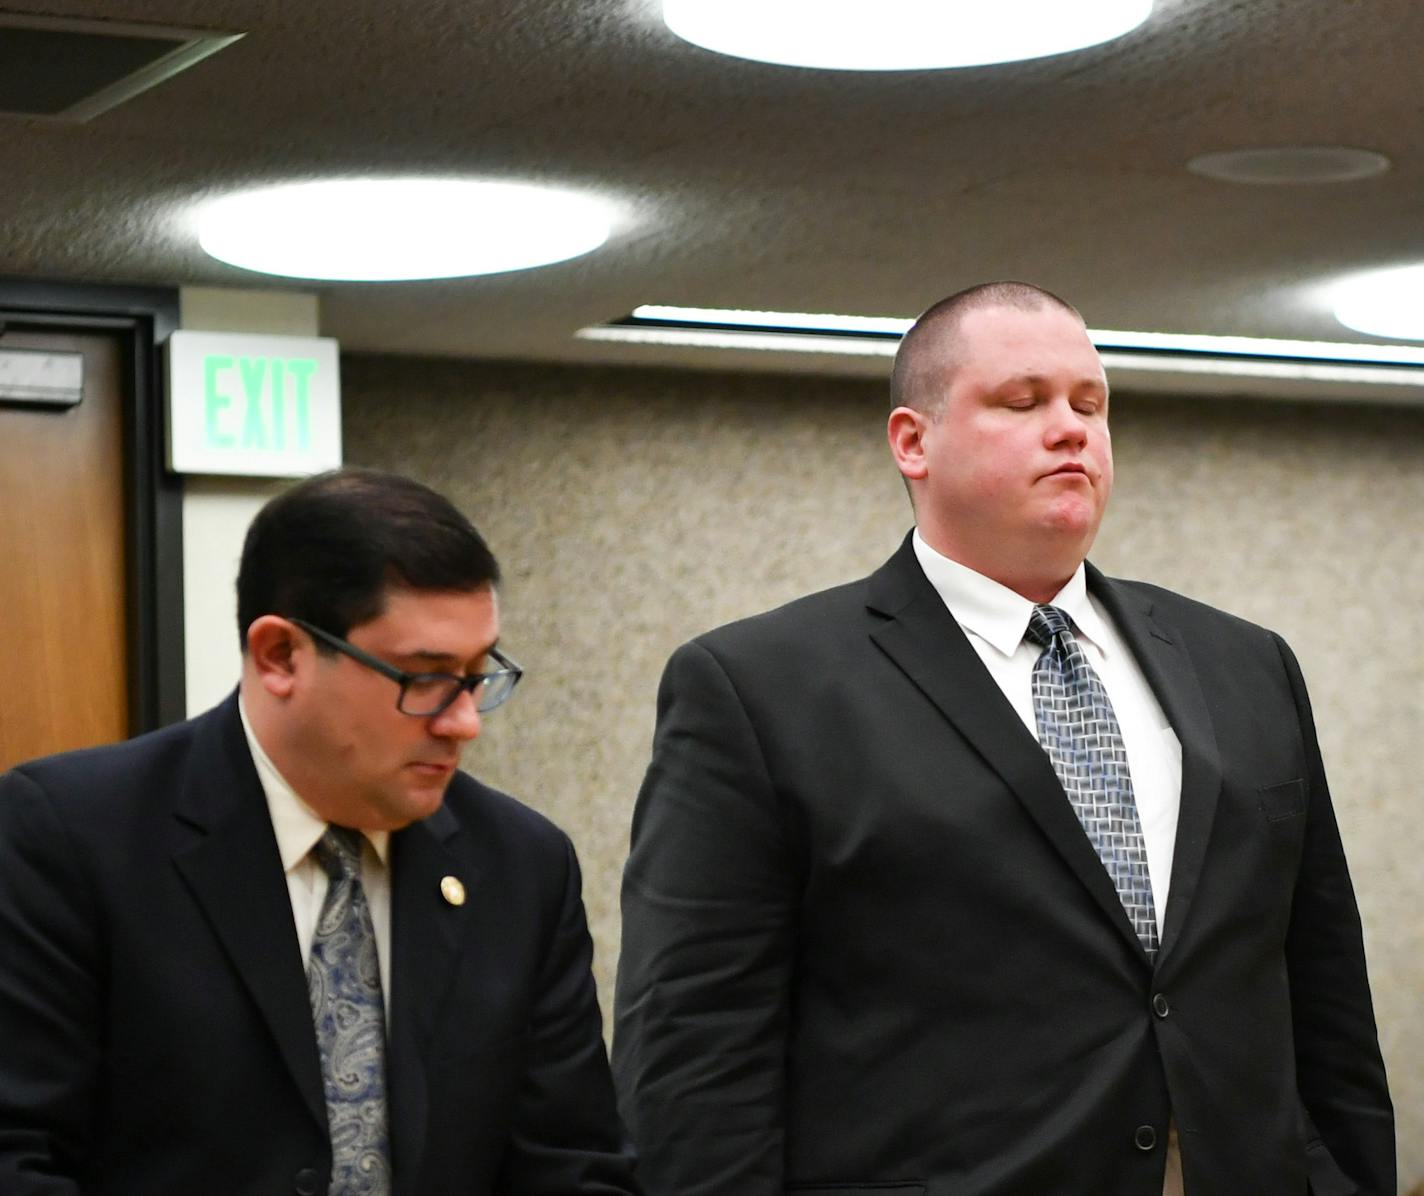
633, 509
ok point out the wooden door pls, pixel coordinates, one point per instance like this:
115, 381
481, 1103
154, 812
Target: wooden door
63, 666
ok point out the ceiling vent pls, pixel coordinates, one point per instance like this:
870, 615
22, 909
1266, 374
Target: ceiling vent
58, 69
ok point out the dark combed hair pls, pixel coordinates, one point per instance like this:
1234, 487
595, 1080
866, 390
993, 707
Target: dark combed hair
330, 548
927, 353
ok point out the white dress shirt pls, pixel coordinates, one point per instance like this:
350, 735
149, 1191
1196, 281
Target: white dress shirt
994, 618
298, 829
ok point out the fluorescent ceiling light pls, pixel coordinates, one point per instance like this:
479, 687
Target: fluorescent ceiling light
899, 35
801, 321
381, 230
1255, 346
1384, 303
721, 327
1284, 371
1139, 362
718, 338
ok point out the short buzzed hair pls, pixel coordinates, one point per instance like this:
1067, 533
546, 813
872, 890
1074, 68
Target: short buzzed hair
926, 355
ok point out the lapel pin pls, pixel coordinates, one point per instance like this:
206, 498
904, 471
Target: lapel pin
452, 890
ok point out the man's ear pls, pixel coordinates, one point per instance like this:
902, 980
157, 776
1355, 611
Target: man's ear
274, 651
906, 433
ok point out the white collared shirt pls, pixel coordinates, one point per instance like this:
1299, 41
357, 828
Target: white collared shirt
298, 829
994, 618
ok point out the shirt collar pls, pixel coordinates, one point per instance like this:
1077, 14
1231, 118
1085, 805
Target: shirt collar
995, 613
296, 824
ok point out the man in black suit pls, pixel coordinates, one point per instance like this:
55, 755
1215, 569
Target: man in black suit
988, 875
287, 947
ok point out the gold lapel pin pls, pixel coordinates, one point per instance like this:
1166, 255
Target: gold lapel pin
452, 890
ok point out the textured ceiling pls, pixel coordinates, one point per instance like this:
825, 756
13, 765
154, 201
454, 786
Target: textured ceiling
745, 185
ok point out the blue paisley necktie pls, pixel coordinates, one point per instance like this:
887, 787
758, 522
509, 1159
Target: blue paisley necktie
1080, 733
344, 980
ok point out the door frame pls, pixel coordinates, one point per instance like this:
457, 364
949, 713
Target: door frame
142, 318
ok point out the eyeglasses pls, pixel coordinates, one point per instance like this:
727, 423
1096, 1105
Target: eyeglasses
423, 695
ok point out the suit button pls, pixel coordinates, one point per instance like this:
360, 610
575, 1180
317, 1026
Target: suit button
306, 1182
1145, 1138
1160, 1006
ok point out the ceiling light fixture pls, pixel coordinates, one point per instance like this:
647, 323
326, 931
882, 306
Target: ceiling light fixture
1383, 303
1138, 362
384, 230
653, 323
794, 321
837, 345
899, 35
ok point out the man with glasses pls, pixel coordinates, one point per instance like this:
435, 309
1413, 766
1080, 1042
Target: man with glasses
288, 946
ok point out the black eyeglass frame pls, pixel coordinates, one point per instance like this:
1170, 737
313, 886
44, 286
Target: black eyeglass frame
468, 684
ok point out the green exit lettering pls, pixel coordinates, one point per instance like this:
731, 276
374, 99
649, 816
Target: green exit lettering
257, 403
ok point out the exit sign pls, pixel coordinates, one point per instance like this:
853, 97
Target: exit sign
253, 406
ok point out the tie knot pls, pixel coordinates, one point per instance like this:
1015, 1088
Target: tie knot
1045, 625
339, 852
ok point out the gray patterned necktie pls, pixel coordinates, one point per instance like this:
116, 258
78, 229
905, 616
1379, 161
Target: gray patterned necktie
1080, 733
344, 980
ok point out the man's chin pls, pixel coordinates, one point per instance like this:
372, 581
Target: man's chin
421, 796
1073, 519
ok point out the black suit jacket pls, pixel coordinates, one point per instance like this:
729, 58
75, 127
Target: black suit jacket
868, 947
155, 1031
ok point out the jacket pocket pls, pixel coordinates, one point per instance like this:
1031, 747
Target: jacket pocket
1326, 1178
1286, 800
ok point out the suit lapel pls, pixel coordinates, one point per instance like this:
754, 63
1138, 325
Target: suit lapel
425, 933
227, 854
1161, 653
923, 640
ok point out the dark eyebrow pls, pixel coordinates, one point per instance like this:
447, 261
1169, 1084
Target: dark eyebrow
438, 658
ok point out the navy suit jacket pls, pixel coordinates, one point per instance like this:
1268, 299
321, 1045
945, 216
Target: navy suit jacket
155, 1031
868, 948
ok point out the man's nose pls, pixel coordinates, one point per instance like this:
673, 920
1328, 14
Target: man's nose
1066, 425
459, 720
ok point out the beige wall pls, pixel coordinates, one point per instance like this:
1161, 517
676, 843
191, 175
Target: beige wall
632, 509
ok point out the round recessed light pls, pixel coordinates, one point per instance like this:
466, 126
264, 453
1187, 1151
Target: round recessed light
1383, 303
1290, 164
899, 35
382, 230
